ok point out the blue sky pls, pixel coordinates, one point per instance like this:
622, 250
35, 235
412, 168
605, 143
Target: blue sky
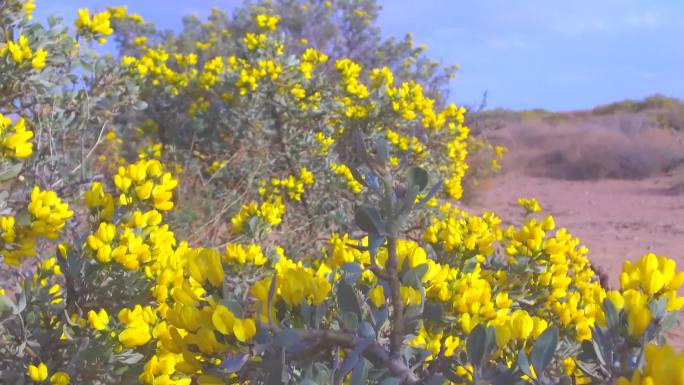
558, 55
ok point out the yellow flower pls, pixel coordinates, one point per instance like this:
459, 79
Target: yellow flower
616, 298
638, 321
136, 334
377, 296
244, 330
99, 320
28, 7
38, 373
38, 61
97, 199
306, 176
325, 142
531, 205
298, 92
140, 40
662, 366
267, 22
49, 213
98, 26
205, 265
19, 51
223, 320
254, 41
60, 378
522, 325
343, 170
209, 379
7, 226
16, 143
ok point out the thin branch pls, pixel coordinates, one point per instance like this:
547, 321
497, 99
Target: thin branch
87, 155
391, 269
375, 353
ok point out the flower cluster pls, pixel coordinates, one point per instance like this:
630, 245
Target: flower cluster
49, 213
663, 366
96, 26
292, 186
16, 138
531, 205
146, 180
20, 52
343, 170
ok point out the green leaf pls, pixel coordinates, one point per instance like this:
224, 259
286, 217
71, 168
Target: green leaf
365, 330
233, 364
306, 311
433, 312
357, 176
374, 243
413, 312
379, 317
475, 345
234, 307
321, 311
286, 338
7, 304
369, 220
271, 295
413, 277
10, 172
321, 373
359, 145
418, 177
490, 340
544, 349
276, 371
140, 105
669, 322
436, 379
130, 358
21, 303
348, 301
587, 352
382, 150
453, 377
348, 364
351, 272
611, 313
360, 372
433, 191
54, 20
355, 356
349, 321
4, 195
390, 381
524, 363
602, 346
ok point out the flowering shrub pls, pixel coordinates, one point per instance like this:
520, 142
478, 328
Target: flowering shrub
345, 256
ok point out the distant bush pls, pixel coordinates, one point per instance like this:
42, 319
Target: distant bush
648, 103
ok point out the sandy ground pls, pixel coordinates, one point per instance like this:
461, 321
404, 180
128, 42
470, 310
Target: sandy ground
618, 219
